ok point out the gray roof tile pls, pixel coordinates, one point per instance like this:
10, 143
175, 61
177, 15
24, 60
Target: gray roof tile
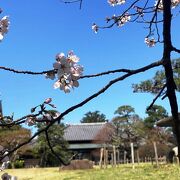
83, 131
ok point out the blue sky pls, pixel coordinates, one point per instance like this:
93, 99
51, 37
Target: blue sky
40, 29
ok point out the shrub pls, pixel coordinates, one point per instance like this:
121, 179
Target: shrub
18, 164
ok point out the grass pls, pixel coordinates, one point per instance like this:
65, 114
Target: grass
122, 172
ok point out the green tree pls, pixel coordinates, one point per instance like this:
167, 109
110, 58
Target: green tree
162, 136
128, 125
91, 117
156, 113
155, 84
59, 145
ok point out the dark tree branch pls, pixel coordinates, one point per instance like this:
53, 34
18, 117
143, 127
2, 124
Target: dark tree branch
175, 50
112, 82
154, 100
73, 1
25, 72
52, 150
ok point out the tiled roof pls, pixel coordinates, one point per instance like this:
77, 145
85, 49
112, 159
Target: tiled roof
83, 131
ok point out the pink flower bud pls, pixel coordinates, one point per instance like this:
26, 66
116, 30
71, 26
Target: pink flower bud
48, 100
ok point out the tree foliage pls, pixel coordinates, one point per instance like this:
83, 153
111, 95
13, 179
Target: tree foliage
92, 117
12, 137
156, 113
59, 145
128, 126
155, 84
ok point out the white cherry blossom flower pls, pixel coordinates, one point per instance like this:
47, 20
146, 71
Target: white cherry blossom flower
116, 2
72, 57
150, 42
4, 26
124, 19
174, 3
95, 28
67, 71
30, 121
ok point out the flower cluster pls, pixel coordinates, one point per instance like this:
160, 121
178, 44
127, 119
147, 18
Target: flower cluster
139, 10
30, 121
123, 19
116, 2
95, 28
4, 25
174, 3
150, 42
67, 71
43, 114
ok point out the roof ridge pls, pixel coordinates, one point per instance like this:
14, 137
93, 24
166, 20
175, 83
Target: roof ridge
80, 124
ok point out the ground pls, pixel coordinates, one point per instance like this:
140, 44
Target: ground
122, 172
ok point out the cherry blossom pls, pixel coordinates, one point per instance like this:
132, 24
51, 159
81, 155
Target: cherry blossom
48, 100
95, 28
174, 3
4, 26
68, 71
116, 2
30, 121
150, 42
125, 18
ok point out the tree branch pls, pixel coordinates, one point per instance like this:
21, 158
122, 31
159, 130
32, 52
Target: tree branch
52, 150
121, 78
175, 50
154, 100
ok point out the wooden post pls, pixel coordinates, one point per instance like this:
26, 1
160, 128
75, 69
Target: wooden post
114, 155
177, 160
138, 160
112, 160
105, 157
101, 157
117, 156
156, 154
132, 155
125, 157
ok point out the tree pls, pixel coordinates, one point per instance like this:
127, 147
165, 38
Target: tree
57, 143
155, 84
154, 114
162, 136
91, 117
12, 137
128, 125
67, 72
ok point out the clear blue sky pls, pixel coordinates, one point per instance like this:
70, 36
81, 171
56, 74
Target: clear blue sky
40, 29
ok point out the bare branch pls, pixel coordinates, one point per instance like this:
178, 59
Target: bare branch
73, 1
176, 50
154, 100
106, 73
121, 78
52, 150
25, 72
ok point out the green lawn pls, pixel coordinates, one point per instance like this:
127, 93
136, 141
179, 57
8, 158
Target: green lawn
124, 172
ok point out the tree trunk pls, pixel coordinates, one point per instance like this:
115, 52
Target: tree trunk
171, 86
